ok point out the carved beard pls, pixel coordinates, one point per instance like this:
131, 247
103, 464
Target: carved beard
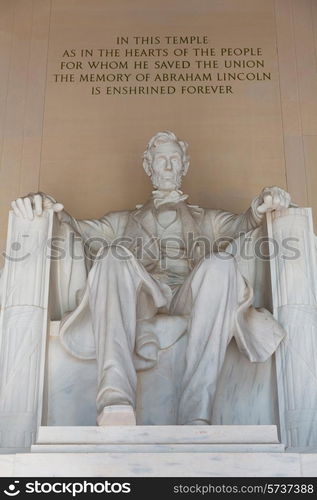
160, 183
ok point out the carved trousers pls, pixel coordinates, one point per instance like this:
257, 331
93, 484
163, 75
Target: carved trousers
121, 291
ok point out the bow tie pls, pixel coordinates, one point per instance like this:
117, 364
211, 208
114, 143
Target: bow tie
168, 197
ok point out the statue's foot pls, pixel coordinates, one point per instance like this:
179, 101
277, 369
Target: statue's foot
116, 415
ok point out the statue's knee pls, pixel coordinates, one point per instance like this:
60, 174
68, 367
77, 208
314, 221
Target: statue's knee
115, 253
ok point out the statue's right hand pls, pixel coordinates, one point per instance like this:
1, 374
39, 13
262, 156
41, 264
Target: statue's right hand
34, 204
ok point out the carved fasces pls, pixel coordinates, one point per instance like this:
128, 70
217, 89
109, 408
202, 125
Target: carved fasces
23, 328
294, 290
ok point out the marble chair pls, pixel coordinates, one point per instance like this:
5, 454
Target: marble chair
41, 384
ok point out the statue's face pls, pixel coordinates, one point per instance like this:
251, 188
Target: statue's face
167, 166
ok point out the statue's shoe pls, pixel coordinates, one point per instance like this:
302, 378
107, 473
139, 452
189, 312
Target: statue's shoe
116, 415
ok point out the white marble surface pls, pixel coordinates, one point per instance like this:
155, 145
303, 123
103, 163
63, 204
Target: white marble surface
156, 465
158, 439
71, 388
7, 465
159, 464
294, 289
157, 448
165, 434
308, 463
23, 328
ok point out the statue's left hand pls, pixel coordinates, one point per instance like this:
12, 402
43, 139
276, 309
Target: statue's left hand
273, 198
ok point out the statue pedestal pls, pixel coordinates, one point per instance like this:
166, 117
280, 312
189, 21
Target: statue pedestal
158, 439
158, 451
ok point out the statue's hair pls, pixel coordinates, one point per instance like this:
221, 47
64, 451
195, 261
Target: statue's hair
162, 138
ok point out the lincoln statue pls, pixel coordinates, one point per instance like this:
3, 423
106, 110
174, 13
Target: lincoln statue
159, 272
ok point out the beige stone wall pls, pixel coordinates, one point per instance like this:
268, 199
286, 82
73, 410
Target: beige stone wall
85, 150
24, 28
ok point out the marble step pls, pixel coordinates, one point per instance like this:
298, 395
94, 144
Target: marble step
157, 448
158, 439
158, 465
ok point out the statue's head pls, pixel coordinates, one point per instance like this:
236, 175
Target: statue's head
166, 161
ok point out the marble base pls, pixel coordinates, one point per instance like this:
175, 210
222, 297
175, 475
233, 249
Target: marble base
158, 465
158, 439
158, 451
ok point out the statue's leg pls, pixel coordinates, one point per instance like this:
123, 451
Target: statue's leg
210, 295
115, 282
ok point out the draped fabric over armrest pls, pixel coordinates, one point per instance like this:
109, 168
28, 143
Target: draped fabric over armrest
69, 273
257, 333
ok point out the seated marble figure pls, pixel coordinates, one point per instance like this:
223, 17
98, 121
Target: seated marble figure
157, 276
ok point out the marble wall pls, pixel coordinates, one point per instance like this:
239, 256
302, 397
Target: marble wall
85, 150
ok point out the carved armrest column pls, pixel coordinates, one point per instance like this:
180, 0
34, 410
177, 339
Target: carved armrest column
23, 328
294, 290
